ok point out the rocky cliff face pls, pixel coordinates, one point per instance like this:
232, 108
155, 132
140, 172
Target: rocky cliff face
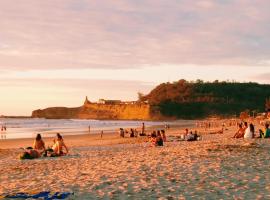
98, 111
56, 113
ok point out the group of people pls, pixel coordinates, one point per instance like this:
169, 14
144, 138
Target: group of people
38, 149
131, 133
3, 128
248, 131
190, 136
3, 132
215, 123
157, 138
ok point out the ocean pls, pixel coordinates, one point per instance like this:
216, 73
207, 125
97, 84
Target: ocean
29, 127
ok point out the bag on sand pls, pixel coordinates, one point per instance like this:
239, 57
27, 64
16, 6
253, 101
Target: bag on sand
41, 195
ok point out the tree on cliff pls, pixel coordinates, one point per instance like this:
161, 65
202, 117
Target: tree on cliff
140, 96
185, 99
267, 104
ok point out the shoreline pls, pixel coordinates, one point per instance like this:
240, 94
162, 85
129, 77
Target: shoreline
84, 139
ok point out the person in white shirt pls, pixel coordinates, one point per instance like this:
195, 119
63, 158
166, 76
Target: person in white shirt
250, 132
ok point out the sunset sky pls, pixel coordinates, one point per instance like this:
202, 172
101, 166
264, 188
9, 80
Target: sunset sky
55, 52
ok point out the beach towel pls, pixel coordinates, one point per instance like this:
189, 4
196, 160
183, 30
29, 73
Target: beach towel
42, 195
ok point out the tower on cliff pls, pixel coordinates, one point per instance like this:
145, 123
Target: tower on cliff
86, 101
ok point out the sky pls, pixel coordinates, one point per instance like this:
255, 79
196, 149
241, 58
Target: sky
56, 52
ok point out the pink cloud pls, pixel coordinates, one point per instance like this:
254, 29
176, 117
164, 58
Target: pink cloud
129, 34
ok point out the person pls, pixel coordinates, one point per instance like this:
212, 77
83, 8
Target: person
39, 145
132, 133
58, 146
186, 132
190, 136
101, 134
163, 135
196, 136
240, 133
143, 129
184, 136
153, 138
159, 140
121, 132
135, 133
266, 133
250, 132
245, 125
29, 153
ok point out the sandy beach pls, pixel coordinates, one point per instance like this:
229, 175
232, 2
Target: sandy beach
217, 167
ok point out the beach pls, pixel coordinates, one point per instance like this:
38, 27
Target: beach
217, 167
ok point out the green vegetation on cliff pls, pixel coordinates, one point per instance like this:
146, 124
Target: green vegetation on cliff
183, 99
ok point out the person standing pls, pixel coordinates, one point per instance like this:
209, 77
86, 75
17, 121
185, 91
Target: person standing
143, 129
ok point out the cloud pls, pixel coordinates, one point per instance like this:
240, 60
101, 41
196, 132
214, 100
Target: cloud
73, 83
132, 33
263, 77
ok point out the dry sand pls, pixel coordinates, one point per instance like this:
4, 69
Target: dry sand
218, 167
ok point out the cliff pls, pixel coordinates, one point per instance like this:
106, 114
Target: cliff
192, 100
97, 111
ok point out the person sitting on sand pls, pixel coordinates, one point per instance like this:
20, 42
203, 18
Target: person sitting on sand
39, 145
135, 133
159, 140
192, 136
29, 153
250, 132
121, 132
163, 135
186, 132
132, 133
58, 146
240, 133
266, 133
245, 125
153, 138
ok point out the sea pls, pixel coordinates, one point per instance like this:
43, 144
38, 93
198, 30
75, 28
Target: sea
29, 127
